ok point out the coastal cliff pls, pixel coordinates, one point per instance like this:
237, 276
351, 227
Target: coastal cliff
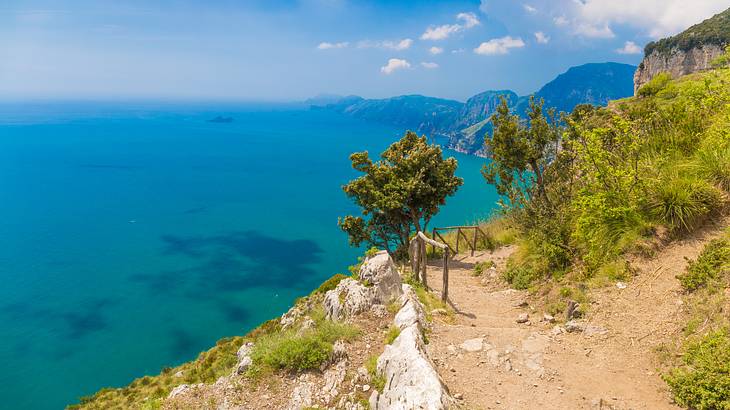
687, 52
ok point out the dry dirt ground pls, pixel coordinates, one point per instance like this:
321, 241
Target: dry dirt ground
611, 365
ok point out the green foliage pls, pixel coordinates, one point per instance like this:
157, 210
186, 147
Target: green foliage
658, 83
703, 383
722, 60
710, 268
299, 350
714, 165
715, 30
329, 284
377, 380
481, 267
398, 194
681, 203
392, 334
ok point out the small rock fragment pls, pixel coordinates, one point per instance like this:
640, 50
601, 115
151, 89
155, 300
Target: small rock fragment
523, 318
620, 285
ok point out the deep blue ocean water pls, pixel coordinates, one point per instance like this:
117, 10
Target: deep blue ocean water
133, 236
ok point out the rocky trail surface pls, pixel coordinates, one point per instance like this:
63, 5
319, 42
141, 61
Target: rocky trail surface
502, 352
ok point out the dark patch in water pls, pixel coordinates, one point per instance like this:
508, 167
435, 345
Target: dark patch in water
88, 317
196, 210
184, 343
234, 262
233, 312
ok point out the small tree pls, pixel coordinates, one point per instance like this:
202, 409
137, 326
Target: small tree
399, 194
521, 152
529, 170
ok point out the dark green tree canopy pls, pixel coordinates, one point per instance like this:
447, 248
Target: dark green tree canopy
398, 194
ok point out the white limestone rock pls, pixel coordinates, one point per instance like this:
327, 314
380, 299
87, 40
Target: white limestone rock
411, 311
349, 298
412, 381
380, 272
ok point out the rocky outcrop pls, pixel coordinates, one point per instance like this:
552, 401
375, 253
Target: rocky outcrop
676, 62
379, 283
411, 379
380, 272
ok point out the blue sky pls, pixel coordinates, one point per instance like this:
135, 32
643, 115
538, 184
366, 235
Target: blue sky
293, 49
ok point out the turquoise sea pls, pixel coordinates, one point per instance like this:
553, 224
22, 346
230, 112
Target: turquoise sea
133, 236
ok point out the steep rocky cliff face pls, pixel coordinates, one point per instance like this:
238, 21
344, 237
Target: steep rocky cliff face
676, 62
687, 52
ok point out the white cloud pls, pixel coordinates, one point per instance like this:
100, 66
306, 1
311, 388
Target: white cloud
655, 18
529, 8
440, 32
397, 45
393, 65
444, 31
435, 50
560, 21
470, 19
541, 37
457, 51
629, 48
499, 45
594, 31
327, 46
429, 65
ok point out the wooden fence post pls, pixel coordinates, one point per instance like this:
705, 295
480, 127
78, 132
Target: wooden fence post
458, 234
445, 293
424, 273
475, 242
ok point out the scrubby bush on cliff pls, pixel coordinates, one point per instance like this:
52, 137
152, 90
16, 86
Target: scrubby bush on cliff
587, 189
398, 194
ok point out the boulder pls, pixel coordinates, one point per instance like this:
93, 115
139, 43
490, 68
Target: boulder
412, 381
380, 272
349, 298
411, 311
244, 358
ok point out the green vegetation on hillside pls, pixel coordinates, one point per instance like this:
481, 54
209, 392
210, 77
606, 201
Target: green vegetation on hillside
715, 30
701, 378
604, 182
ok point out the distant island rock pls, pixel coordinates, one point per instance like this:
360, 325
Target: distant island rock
221, 120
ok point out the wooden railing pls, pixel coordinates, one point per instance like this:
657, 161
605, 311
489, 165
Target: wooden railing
417, 253
472, 243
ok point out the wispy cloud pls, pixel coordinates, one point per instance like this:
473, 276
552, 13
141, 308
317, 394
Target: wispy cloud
560, 21
397, 45
629, 48
429, 65
328, 46
435, 50
499, 45
594, 30
394, 64
541, 37
468, 20
529, 8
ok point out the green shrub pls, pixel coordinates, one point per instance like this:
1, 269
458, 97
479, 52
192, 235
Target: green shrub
711, 266
714, 165
656, 84
683, 202
521, 277
703, 382
329, 284
297, 351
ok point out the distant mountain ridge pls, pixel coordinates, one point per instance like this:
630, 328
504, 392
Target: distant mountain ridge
464, 124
